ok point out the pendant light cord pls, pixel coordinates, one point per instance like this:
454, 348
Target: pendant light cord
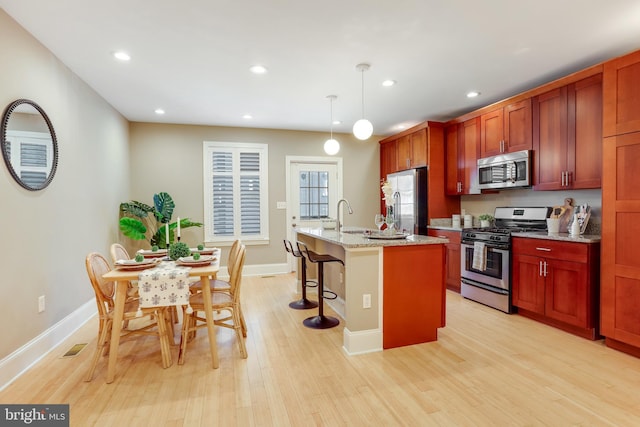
362, 78
331, 109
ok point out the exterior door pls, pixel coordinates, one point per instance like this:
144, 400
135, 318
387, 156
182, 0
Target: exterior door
313, 190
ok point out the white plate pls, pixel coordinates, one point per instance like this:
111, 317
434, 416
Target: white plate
129, 262
205, 251
189, 259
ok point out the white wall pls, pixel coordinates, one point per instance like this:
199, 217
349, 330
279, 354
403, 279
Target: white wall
169, 158
47, 234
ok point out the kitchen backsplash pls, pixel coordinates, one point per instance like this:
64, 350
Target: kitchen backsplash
486, 203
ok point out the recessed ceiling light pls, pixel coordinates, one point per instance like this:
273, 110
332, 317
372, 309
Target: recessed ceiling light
159, 111
247, 116
401, 127
388, 83
258, 69
121, 56
337, 122
473, 94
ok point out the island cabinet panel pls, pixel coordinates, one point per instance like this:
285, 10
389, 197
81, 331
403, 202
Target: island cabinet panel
452, 257
556, 282
506, 129
620, 297
621, 88
567, 136
413, 294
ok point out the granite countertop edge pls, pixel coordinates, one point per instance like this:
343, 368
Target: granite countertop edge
564, 237
355, 239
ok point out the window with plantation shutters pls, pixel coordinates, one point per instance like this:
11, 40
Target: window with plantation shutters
31, 155
235, 198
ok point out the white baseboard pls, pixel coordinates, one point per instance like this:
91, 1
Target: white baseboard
361, 342
15, 364
264, 269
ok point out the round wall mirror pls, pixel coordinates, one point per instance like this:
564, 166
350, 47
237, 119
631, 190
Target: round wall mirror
29, 144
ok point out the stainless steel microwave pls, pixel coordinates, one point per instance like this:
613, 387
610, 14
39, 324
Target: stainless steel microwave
508, 170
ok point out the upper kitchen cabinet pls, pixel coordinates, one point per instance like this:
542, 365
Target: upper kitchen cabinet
421, 146
506, 129
462, 142
412, 150
567, 136
621, 88
388, 158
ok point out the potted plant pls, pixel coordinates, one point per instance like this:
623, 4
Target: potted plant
485, 220
140, 221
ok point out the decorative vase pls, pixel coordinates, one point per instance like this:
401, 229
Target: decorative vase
390, 220
485, 223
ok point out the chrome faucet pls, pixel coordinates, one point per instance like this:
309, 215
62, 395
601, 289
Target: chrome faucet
338, 227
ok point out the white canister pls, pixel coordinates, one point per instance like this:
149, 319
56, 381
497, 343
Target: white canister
455, 221
468, 221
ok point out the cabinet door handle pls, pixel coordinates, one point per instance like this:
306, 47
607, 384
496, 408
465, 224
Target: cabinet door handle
408, 163
568, 174
562, 179
543, 249
540, 269
545, 269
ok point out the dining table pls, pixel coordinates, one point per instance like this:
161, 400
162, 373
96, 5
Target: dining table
122, 278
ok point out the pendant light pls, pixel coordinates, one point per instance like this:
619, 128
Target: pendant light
331, 146
362, 129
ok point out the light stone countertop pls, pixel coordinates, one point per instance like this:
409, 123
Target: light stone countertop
444, 227
353, 237
565, 237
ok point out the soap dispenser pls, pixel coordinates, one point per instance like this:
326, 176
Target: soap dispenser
575, 227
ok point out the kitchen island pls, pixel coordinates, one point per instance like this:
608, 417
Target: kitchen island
393, 290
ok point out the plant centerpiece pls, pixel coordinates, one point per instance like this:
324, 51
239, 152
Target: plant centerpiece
387, 192
485, 220
140, 221
179, 250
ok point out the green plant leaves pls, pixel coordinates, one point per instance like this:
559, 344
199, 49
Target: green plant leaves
162, 211
135, 209
164, 207
133, 228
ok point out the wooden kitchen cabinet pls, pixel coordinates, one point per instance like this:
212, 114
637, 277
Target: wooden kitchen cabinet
462, 143
452, 257
427, 139
506, 130
621, 89
620, 296
556, 282
412, 150
567, 136
388, 158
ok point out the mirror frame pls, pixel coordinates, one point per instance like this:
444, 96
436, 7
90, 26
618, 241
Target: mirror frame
3, 134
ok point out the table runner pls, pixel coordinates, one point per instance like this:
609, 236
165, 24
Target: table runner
164, 285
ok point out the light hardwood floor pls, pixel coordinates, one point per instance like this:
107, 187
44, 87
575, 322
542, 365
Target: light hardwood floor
486, 369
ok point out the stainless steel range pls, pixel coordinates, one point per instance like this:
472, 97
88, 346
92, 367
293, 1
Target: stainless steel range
486, 255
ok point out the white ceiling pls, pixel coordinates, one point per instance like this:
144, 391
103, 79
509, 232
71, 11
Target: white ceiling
192, 58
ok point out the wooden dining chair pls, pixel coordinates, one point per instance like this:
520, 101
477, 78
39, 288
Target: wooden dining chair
220, 301
217, 285
97, 266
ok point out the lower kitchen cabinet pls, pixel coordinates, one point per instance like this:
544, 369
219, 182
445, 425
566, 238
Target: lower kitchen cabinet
556, 282
452, 257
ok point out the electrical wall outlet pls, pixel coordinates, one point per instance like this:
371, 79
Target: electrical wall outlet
40, 303
366, 300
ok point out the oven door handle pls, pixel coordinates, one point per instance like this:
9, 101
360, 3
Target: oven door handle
488, 246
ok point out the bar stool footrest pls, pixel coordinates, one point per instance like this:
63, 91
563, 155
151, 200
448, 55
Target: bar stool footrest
332, 295
311, 284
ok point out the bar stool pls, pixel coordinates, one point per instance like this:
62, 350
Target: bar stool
303, 303
320, 321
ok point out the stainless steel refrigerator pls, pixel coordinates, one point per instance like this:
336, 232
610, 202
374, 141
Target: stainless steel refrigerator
410, 200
